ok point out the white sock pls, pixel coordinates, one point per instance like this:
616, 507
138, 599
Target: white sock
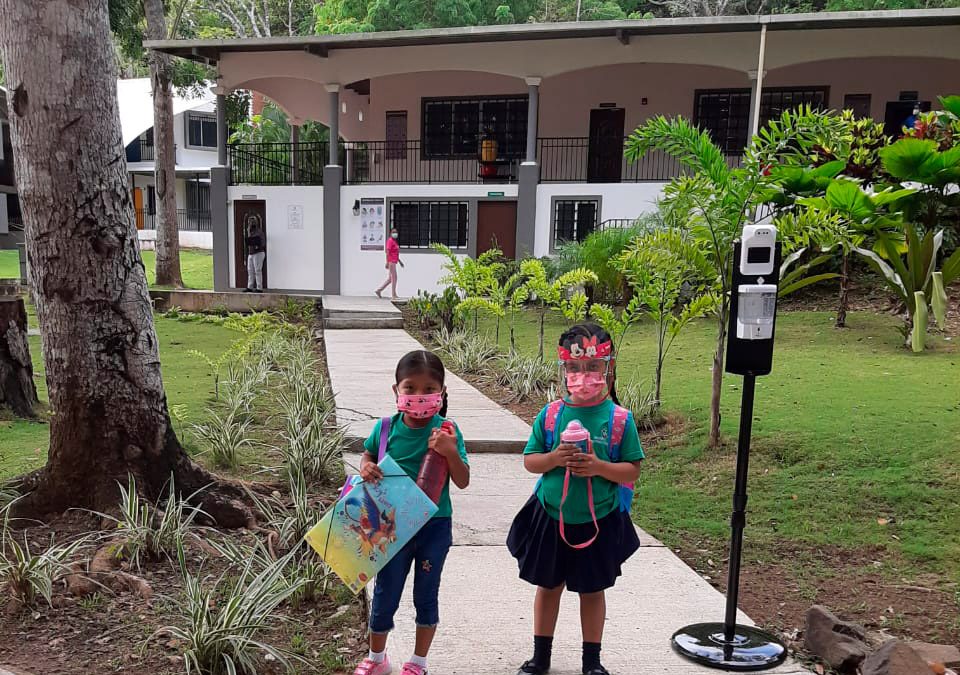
419, 661
377, 657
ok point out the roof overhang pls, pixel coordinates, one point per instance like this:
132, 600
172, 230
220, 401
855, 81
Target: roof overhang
211, 51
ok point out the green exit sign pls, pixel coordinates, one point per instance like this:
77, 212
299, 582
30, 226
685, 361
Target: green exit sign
495, 194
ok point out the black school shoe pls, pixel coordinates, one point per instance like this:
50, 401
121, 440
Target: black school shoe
596, 670
531, 668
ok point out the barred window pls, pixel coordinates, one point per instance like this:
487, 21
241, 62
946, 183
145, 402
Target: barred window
453, 127
422, 223
574, 219
201, 130
725, 113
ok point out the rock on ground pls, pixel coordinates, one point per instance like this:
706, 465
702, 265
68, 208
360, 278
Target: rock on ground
895, 658
948, 655
840, 644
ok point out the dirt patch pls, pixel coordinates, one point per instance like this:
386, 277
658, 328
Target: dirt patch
860, 585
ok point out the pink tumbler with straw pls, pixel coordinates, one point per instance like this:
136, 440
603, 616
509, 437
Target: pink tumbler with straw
575, 434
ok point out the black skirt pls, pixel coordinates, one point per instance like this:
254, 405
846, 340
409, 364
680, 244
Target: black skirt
545, 560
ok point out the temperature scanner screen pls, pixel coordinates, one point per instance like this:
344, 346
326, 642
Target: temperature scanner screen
758, 255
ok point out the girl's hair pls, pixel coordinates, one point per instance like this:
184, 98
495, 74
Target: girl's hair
420, 361
589, 330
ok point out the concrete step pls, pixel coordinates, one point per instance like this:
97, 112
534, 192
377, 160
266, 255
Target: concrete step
345, 314
339, 323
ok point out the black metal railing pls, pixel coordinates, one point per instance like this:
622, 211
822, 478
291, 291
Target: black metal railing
278, 163
188, 220
578, 160
140, 150
405, 162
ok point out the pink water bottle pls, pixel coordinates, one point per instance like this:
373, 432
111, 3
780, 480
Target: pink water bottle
576, 435
434, 469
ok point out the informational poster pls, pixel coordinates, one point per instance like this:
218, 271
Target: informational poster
372, 231
370, 524
295, 217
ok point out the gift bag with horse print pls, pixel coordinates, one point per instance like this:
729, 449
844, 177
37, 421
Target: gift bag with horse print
371, 522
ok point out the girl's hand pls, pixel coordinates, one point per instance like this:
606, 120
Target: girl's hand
585, 465
563, 454
443, 443
370, 471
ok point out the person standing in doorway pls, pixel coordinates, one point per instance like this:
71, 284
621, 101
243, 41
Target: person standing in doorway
393, 259
256, 253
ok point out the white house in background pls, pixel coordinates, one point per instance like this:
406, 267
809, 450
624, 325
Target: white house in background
195, 138
514, 134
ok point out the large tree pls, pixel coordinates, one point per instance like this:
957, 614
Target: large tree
109, 408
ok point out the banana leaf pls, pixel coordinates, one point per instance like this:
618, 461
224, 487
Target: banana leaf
886, 271
938, 300
918, 337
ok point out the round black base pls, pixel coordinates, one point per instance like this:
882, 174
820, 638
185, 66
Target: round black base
750, 649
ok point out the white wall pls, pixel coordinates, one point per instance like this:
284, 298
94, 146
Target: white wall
617, 200
192, 157
363, 271
294, 257
204, 240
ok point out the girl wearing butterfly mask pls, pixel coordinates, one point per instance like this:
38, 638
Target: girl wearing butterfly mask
575, 532
415, 428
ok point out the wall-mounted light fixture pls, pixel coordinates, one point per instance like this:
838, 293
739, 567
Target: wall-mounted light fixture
356, 207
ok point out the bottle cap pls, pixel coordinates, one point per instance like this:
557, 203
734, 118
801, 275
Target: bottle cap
574, 425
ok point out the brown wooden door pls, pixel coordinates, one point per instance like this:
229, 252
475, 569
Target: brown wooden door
497, 227
605, 154
138, 206
246, 212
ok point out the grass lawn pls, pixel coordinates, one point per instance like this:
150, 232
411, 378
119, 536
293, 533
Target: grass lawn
196, 266
9, 264
188, 382
849, 429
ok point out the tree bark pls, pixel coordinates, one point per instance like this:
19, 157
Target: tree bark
716, 388
17, 391
161, 79
109, 408
844, 303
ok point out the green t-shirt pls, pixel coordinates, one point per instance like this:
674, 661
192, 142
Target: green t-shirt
408, 446
596, 419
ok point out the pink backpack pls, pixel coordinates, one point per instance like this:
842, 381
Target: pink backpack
619, 417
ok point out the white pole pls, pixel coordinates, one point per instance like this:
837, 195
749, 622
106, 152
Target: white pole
578, 9
756, 104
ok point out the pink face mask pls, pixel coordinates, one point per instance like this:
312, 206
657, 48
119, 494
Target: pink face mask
420, 406
586, 386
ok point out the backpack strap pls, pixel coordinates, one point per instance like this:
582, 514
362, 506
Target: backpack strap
554, 410
384, 437
619, 417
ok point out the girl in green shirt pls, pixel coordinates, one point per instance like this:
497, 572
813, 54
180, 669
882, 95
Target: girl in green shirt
414, 429
575, 531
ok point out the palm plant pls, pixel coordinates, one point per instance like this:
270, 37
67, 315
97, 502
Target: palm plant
546, 294
474, 278
714, 201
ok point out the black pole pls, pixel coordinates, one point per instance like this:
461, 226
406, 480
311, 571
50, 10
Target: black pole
738, 518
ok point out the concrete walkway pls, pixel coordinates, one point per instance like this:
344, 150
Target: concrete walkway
362, 365
486, 610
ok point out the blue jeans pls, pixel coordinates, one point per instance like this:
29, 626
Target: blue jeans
428, 549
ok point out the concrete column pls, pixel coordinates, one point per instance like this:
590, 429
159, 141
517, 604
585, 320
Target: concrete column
332, 180
527, 208
221, 129
4, 215
334, 91
220, 226
295, 151
533, 116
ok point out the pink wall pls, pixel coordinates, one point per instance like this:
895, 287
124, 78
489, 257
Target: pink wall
566, 100
882, 78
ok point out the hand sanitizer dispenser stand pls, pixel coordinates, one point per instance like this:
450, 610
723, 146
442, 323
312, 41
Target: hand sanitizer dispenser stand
753, 312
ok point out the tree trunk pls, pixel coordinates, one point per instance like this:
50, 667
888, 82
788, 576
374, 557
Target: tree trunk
161, 77
542, 313
658, 376
841, 321
17, 391
717, 380
102, 365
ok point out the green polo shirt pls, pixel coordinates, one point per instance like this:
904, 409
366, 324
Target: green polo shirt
596, 419
407, 447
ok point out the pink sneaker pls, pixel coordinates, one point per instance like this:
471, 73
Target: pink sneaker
412, 669
370, 667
